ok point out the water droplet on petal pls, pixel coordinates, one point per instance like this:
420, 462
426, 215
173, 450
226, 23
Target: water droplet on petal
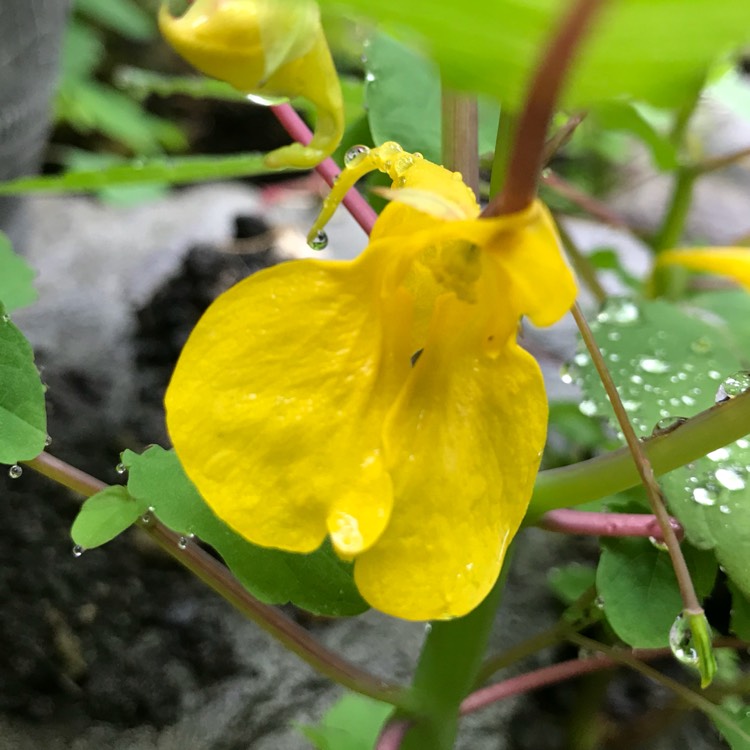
15, 471
320, 241
77, 550
355, 155
734, 385
681, 642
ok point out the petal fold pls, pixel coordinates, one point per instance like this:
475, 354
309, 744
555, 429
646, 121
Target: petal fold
733, 262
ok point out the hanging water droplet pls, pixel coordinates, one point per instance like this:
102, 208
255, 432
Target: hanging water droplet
15, 471
121, 468
47, 441
681, 642
619, 311
355, 155
668, 424
147, 518
734, 385
658, 543
320, 241
653, 365
428, 628
730, 479
77, 550
183, 542
702, 345
599, 602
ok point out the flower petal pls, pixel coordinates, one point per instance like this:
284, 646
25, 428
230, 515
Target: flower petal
463, 443
733, 262
277, 402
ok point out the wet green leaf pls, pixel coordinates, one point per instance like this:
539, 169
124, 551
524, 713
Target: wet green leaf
656, 50
23, 417
739, 622
351, 724
174, 171
639, 589
403, 98
16, 278
103, 517
318, 582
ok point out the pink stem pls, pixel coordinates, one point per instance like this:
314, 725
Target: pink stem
358, 207
392, 735
605, 524
547, 676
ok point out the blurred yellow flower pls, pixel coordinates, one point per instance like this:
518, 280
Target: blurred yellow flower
383, 402
269, 49
733, 262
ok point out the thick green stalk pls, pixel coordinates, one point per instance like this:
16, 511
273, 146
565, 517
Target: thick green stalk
447, 670
614, 472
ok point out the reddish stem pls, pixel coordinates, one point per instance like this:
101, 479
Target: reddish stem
393, 734
358, 207
605, 524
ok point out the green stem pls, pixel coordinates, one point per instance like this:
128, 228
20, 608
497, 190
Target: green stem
447, 671
581, 264
214, 574
614, 472
672, 227
460, 136
506, 129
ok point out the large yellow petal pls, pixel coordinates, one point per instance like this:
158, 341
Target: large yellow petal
277, 403
463, 444
733, 262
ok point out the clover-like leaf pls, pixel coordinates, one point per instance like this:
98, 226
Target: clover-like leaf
104, 516
318, 582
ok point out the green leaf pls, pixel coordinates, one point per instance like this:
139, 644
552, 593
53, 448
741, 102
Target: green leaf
318, 582
351, 724
654, 50
104, 516
624, 116
83, 51
172, 171
739, 622
571, 581
403, 100
23, 418
736, 730
16, 277
639, 588
668, 362
125, 17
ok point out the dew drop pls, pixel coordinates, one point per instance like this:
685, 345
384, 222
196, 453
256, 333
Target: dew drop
15, 471
725, 509
183, 542
77, 550
146, 518
355, 155
581, 359
619, 311
588, 408
320, 241
720, 454
705, 495
5, 318
121, 468
734, 385
681, 642
730, 479
566, 374
653, 365
668, 424
658, 543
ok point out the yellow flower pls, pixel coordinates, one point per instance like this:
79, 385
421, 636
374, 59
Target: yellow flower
384, 401
270, 49
733, 262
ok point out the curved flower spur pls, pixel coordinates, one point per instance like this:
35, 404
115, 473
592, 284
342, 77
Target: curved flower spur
268, 49
383, 401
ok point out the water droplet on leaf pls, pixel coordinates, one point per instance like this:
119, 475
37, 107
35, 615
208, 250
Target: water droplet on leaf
668, 424
183, 542
619, 311
681, 642
734, 385
77, 550
653, 365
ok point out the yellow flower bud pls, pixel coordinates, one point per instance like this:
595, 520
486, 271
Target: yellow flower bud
270, 49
